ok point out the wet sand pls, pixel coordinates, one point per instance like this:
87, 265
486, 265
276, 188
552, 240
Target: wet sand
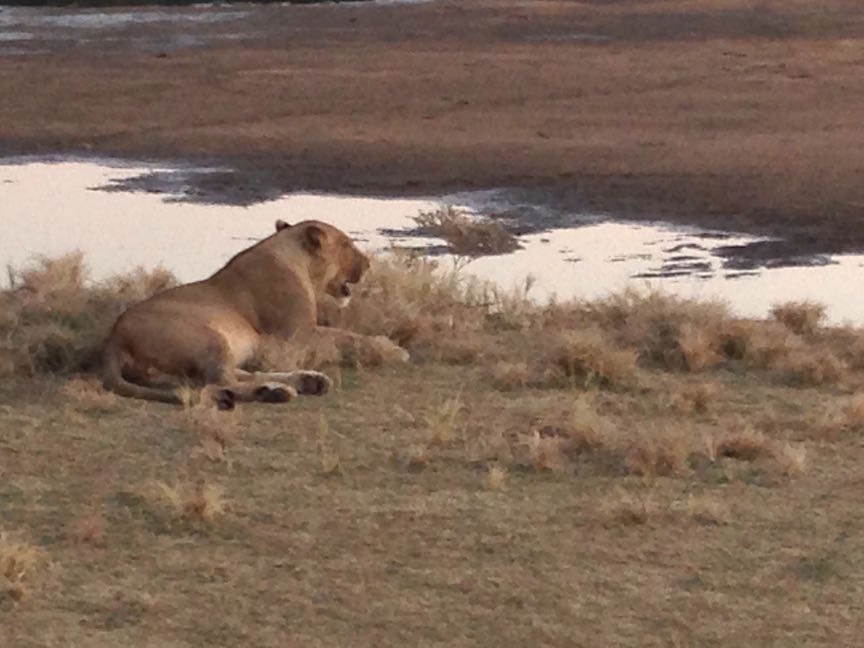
730, 115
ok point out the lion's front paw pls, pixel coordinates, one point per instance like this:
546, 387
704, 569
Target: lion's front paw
313, 383
274, 393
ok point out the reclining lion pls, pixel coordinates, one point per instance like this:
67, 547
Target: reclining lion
205, 332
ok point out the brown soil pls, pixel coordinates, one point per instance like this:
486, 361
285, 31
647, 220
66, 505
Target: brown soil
731, 114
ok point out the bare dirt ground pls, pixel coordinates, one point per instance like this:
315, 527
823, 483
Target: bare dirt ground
736, 115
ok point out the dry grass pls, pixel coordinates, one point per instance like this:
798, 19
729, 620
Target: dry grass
844, 415
706, 509
790, 459
509, 376
665, 330
742, 442
695, 398
18, 561
496, 478
547, 452
747, 444
650, 422
802, 317
53, 320
328, 455
88, 529
628, 509
658, 452
446, 422
216, 431
588, 358
811, 368
187, 502
88, 395
466, 235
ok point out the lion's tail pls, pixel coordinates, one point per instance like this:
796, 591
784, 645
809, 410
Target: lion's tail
112, 378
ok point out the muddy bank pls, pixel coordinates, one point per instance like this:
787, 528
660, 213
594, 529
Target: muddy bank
725, 115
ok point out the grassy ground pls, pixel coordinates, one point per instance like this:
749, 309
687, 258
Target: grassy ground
637, 471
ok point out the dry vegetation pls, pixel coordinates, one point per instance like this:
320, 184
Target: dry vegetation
466, 235
641, 470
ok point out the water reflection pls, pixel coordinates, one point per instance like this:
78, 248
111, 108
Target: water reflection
53, 208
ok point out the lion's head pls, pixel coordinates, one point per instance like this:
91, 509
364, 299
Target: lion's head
335, 262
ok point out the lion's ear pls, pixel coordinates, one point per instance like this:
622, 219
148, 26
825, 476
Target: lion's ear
280, 225
313, 237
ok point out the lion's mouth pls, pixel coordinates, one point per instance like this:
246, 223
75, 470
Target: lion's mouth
345, 289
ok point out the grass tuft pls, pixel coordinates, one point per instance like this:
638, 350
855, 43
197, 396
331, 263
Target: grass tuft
801, 317
707, 510
18, 562
195, 504
587, 358
496, 478
622, 508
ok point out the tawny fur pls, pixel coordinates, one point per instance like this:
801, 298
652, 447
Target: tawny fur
204, 332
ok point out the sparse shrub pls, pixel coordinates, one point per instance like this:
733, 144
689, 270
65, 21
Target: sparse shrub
852, 348
417, 304
811, 368
694, 398
801, 317
589, 431
666, 330
742, 442
53, 320
658, 452
698, 347
587, 358
846, 416
758, 344
465, 235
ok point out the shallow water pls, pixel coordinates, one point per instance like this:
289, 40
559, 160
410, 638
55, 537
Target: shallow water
32, 30
50, 208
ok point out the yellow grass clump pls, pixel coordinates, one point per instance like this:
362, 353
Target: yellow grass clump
18, 561
195, 503
801, 317
52, 319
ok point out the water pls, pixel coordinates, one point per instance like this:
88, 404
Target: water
50, 208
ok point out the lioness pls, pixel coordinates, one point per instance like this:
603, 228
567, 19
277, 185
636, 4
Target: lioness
206, 331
